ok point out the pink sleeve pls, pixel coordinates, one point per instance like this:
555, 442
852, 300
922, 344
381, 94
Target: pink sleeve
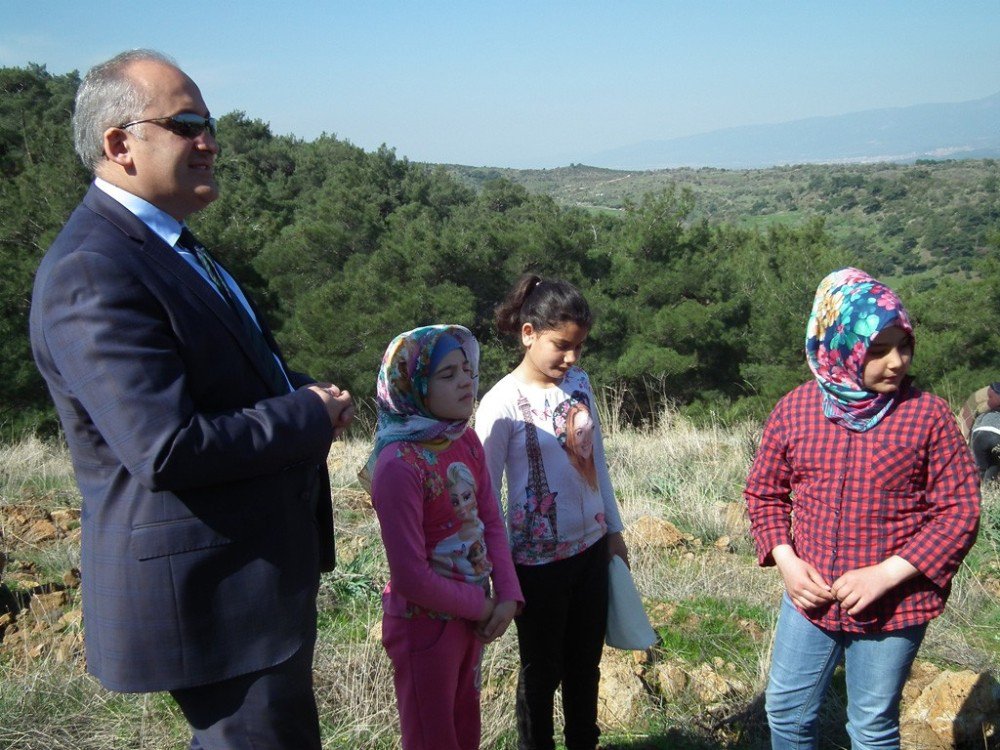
505, 584
397, 494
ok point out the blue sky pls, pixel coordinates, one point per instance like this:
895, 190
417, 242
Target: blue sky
531, 84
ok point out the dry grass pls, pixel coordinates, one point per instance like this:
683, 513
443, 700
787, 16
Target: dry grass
37, 471
672, 470
681, 473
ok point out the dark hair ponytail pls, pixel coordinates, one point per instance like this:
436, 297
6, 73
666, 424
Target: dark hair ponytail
545, 303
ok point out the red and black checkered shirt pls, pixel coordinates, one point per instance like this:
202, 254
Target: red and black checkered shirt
847, 500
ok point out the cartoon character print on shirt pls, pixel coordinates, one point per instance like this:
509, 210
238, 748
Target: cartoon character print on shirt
574, 427
477, 557
463, 553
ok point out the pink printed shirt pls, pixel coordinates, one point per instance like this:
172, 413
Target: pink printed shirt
444, 537
847, 500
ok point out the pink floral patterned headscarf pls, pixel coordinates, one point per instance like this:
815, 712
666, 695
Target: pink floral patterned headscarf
402, 383
849, 311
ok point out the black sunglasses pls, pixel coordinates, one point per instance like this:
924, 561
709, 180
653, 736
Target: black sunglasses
186, 124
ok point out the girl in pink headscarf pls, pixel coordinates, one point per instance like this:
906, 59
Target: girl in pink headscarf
444, 537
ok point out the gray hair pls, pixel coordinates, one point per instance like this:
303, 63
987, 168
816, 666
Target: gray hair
107, 98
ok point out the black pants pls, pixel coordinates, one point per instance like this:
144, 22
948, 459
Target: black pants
560, 636
274, 708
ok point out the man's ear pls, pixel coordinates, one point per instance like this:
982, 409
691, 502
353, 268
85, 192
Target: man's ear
117, 148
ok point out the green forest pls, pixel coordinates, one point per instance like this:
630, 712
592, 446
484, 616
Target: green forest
701, 280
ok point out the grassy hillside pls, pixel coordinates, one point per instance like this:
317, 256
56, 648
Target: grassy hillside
699, 688
905, 218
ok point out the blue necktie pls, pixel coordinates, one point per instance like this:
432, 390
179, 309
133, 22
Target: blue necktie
276, 379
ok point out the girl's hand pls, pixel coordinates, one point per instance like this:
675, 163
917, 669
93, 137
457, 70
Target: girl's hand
616, 546
488, 606
859, 588
497, 623
804, 584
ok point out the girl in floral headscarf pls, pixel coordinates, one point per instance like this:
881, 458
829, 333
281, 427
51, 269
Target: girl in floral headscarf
864, 495
849, 311
444, 538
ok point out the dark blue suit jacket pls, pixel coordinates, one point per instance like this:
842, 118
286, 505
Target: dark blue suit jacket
206, 508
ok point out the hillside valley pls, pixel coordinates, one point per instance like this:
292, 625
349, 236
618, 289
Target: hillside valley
901, 218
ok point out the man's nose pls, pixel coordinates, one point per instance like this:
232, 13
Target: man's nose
205, 141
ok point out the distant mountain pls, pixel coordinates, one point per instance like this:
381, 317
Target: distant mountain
964, 130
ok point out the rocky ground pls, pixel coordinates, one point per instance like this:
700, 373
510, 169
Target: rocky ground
40, 616
40, 619
941, 707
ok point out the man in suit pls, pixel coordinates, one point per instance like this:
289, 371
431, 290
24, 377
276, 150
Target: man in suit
200, 456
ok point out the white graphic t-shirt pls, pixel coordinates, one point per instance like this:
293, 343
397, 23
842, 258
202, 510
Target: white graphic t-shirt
548, 440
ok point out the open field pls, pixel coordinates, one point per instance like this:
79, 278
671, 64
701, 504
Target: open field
700, 687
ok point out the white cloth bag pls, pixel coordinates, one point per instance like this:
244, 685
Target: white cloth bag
628, 625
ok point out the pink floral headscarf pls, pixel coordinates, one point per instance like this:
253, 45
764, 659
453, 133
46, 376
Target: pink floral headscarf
402, 387
849, 311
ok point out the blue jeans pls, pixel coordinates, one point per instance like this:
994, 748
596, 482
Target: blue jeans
805, 656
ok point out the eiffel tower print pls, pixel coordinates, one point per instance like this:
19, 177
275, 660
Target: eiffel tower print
539, 531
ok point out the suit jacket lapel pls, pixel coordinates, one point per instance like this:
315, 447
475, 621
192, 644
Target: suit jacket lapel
161, 254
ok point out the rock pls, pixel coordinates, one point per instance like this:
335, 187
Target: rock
71, 578
712, 687
71, 620
621, 696
66, 519
654, 532
6, 620
14, 639
660, 613
724, 543
355, 500
64, 652
922, 673
42, 530
957, 709
48, 608
28, 524
669, 680
642, 659
26, 580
